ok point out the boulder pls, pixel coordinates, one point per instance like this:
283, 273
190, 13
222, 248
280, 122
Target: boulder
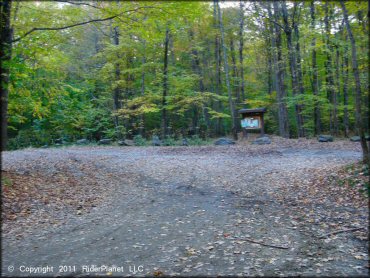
224, 142
185, 142
126, 142
355, 139
156, 141
367, 137
104, 142
82, 141
325, 138
262, 140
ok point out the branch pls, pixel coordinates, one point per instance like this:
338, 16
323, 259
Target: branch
264, 244
342, 231
77, 3
75, 24
268, 18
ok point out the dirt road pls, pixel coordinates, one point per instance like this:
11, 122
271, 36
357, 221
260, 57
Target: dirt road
214, 210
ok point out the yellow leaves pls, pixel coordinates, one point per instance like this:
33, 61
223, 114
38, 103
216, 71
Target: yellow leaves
39, 111
218, 115
138, 106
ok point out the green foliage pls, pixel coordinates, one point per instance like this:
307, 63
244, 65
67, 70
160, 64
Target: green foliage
6, 181
169, 141
140, 140
62, 82
195, 140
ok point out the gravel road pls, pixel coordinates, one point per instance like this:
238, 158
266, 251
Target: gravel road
192, 211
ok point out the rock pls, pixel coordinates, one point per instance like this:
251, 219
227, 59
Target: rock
325, 138
262, 140
104, 142
126, 143
367, 137
185, 142
58, 145
156, 141
355, 139
82, 141
45, 146
224, 141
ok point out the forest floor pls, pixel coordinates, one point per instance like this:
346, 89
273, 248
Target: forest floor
242, 210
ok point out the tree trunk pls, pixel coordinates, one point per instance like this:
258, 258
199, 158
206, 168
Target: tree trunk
226, 64
345, 69
117, 77
315, 82
336, 94
279, 69
293, 68
142, 126
241, 45
356, 74
165, 84
300, 78
328, 66
219, 107
6, 34
235, 71
197, 69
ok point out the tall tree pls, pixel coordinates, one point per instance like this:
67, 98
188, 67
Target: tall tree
117, 77
6, 33
165, 84
315, 79
356, 74
218, 86
330, 87
279, 69
293, 65
345, 70
241, 46
226, 64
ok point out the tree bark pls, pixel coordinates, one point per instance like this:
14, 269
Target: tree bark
299, 77
226, 64
219, 105
315, 82
293, 68
235, 71
165, 84
279, 69
143, 61
345, 69
241, 45
117, 77
356, 74
329, 66
6, 33
198, 70
336, 94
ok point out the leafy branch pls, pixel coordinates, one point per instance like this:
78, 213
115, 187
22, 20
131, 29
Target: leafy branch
77, 24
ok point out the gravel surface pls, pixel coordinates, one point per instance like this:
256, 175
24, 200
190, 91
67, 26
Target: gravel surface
207, 211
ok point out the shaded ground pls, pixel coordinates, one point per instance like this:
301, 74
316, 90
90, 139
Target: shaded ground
238, 210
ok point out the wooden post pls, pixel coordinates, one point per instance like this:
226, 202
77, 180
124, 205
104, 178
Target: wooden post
262, 125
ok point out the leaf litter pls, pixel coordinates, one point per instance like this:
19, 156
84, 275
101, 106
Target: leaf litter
284, 215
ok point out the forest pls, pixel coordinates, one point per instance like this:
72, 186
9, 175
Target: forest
127, 147
117, 69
